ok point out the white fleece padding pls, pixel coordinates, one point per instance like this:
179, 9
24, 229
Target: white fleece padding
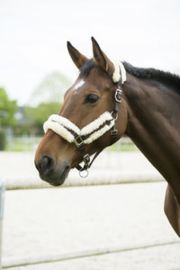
59, 129
97, 134
60, 125
119, 72
95, 125
64, 122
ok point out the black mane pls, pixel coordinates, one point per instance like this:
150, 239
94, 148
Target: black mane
163, 77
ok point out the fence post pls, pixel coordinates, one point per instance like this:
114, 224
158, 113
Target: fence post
2, 193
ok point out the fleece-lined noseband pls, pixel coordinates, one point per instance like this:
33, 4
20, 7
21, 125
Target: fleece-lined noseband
91, 132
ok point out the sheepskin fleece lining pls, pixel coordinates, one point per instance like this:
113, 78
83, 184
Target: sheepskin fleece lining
63, 127
119, 72
69, 131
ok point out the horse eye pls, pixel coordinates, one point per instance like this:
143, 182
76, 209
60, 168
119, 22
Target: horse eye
91, 98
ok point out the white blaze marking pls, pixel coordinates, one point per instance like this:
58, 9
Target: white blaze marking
79, 84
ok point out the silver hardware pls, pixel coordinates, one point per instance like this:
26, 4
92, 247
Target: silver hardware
78, 141
116, 115
84, 173
118, 95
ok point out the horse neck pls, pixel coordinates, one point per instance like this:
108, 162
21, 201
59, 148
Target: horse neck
154, 126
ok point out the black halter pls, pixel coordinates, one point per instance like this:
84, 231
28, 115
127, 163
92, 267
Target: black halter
70, 132
114, 133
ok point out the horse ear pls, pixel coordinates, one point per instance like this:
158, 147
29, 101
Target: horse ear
101, 59
78, 58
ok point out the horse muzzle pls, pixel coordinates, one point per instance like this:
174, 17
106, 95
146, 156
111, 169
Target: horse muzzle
51, 173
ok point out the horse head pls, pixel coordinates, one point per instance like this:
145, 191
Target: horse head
89, 116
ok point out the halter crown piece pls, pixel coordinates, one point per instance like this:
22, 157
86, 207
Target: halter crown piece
91, 132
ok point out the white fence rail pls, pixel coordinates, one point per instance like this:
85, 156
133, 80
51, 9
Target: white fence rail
2, 192
30, 143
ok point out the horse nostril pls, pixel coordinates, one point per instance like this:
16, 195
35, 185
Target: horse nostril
45, 164
66, 167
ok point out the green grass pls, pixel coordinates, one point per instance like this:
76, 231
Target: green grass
18, 145
124, 147
129, 147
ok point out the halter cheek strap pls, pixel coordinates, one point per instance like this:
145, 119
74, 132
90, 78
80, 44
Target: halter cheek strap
80, 137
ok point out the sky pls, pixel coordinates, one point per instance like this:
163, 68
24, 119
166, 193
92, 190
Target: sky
34, 33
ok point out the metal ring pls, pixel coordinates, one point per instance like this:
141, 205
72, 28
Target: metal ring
115, 118
83, 173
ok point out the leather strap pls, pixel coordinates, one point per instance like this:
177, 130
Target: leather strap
114, 134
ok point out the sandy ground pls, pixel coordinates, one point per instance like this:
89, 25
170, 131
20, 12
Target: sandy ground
42, 224
87, 221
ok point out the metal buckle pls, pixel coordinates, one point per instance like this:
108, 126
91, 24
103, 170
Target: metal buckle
118, 95
78, 141
114, 132
86, 159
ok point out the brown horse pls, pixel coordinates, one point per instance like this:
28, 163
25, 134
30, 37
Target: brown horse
148, 113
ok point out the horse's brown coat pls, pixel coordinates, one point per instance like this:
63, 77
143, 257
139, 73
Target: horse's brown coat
149, 115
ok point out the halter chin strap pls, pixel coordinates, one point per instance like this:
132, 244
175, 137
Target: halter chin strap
80, 137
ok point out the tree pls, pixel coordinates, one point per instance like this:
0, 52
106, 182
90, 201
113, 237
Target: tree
51, 89
45, 100
37, 116
8, 109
